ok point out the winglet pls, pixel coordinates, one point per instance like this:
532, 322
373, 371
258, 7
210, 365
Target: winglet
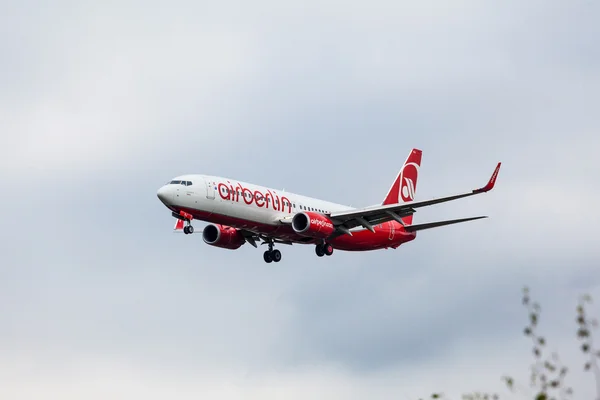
491, 183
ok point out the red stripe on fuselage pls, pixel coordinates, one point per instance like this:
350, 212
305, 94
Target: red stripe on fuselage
388, 234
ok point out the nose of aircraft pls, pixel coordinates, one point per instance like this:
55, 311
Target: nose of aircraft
165, 195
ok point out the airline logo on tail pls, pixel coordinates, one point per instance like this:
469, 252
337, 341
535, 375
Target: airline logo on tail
405, 186
408, 178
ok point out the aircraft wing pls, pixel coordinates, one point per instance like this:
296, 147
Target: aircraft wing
367, 217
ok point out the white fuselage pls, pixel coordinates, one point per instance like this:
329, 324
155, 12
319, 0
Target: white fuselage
242, 204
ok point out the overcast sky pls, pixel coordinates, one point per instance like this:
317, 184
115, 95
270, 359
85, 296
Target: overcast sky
101, 103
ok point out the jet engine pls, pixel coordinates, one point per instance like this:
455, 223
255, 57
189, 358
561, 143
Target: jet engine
313, 225
223, 236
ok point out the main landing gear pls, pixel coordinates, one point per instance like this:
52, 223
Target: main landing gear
324, 249
188, 229
272, 255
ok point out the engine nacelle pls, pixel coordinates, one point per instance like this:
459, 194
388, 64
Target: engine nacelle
313, 225
223, 236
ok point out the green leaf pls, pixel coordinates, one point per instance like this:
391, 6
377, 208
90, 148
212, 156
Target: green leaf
534, 318
583, 333
585, 347
541, 396
541, 341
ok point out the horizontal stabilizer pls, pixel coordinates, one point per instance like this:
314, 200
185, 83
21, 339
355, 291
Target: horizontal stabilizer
420, 227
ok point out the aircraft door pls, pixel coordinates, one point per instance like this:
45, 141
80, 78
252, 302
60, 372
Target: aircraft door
210, 189
392, 228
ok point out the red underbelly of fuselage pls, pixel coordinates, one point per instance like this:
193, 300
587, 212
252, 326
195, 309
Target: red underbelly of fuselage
389, 234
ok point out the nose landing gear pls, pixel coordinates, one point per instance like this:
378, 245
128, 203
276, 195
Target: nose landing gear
188, 229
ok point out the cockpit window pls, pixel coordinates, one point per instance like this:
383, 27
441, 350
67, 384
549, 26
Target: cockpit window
175, 182
189, 183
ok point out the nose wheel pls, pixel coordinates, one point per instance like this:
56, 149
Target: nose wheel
188, 229
324, 249
272, 255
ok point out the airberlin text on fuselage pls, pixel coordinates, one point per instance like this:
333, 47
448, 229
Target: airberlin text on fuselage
233, 193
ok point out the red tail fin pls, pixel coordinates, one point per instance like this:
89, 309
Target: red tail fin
404, 188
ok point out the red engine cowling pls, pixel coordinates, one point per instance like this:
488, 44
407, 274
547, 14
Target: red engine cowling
313, 225
223, 236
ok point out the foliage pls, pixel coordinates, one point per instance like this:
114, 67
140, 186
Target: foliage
548, 375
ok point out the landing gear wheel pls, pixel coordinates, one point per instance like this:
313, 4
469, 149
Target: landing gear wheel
190, 229
267, 257
276, 255
328, 249
186, 229
320, 250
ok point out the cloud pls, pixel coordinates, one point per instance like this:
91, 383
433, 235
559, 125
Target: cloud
102, 104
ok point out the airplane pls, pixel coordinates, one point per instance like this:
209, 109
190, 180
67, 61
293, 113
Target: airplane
240, 212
